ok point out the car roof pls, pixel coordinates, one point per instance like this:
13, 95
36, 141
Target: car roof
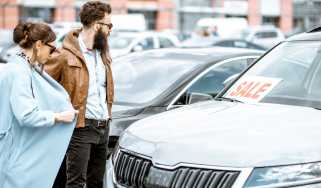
200, 55
313, 35
263, 28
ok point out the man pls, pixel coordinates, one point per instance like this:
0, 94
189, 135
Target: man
84, 69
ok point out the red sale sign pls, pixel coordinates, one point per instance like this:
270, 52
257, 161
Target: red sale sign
252, 88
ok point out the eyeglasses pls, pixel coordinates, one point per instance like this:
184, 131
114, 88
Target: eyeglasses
110, 25
52, 48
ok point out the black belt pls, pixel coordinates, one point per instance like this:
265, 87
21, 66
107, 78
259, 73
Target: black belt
96, 123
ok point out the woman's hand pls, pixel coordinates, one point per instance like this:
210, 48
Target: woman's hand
66, 116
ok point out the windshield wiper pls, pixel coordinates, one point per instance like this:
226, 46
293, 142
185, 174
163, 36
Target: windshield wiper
228, 99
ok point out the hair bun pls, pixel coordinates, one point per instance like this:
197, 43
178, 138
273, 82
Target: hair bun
25, 34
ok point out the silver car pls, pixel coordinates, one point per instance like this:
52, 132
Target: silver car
262, 131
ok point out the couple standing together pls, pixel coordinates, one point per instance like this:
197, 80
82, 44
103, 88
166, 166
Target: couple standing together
55, 105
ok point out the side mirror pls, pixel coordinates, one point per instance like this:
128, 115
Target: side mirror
138, 48
198, 97
230, 79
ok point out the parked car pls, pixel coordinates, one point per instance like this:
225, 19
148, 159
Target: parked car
160, 80
7, 52
123, 43
234, 43
224, 27
129, 22
267, 36
261, 131
238, 43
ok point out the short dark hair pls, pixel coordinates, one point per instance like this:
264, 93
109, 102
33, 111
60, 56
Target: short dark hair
93, 11
25, 34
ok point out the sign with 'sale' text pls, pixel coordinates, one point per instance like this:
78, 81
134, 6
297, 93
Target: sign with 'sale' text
252, 88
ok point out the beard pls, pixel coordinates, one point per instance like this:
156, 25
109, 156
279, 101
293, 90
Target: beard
100, 41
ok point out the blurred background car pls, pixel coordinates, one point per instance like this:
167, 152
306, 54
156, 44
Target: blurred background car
122, 43
222, 27
267, 36
238, 43
155, 81
129, 23
7, 52
234, 43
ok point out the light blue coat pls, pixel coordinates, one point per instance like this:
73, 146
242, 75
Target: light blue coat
32, 147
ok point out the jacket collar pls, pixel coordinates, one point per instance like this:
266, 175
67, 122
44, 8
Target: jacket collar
71, 43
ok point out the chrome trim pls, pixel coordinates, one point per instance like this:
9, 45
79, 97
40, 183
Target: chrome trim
239, 182
241, 179
171, 104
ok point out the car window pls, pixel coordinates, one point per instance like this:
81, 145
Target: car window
266, 34
212, 82
240, 44
120, 42
254, 46
141, 78
165, 43
289, 74
147, 43
224, 43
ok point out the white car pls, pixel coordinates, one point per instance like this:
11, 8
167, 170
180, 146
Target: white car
267, 36
262, 131
126, 42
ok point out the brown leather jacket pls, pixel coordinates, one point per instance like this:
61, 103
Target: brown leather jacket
69, 69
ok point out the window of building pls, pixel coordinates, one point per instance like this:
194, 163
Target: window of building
150, 17
36, 14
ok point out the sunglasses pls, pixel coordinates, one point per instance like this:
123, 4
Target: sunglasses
110, 25
52, 48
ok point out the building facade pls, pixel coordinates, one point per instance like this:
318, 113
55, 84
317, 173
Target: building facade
159, 14
306, 14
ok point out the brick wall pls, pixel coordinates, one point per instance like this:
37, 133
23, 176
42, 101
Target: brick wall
286, 19
65, 10
119, 6
166, 15
254, 16
9, 14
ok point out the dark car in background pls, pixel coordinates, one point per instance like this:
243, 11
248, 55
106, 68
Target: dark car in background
152, 82
222, 42
238, 43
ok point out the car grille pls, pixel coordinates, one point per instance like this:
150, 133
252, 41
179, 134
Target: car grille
200, 178
132, 171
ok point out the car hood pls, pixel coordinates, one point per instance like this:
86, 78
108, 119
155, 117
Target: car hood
121, 111
228, 134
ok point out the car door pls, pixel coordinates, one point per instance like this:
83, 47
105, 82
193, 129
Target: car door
211, 81
146, 43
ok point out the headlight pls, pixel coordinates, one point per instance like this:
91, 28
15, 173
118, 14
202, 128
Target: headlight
285, 176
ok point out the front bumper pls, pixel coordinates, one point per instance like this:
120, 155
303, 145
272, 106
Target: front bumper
111, 181
109, 178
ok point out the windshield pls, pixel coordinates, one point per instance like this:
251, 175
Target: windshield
289, 74
119, 42
141, 78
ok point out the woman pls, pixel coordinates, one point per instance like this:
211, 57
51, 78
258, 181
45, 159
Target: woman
36, 117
